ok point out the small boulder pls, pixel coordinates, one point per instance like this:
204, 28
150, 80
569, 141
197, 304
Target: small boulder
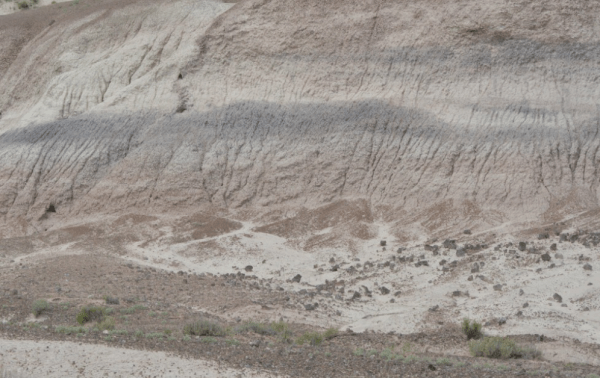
526, 304
248, 268
587, 267
475, 268
521, 292
434, 308
383, 243
502, 321
553, 247
522, 246
544, 235
460, 252
546, 257
310, 306
467, 232
557, 297
297, 278
384, 290
498, 287
356, 295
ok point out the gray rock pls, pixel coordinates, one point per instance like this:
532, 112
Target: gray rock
563, 305
526, 304
521, 292
544, 235
297, 278
558, 256
557, 297
434, 308
498, 287
383, 243
470, 278
519, 313
422, 263
587, 267
467, 232
522, 246
255, 343
443, 262
475, 268
456, 293
449, 244
311, 306
356, 295
248, 268
384, 290
553, 247
335, 268
397, 294
546, 257
460, 252
501, 321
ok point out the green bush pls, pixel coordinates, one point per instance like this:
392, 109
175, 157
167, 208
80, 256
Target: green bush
69, 330
203, 328
330, 333
39, 306
471, 330
313, 338
501, 347
107, 324
258, 328
23, 5
90, 313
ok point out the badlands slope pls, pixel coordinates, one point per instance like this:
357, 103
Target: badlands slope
294, 136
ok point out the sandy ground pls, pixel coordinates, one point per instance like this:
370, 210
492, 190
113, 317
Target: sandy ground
69, 359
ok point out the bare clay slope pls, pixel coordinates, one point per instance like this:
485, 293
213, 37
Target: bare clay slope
424, 108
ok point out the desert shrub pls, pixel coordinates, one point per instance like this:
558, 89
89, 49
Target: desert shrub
313, 338
203, 328
106, 324
39, 306
69, 330
501, 347
471, 329
330, 333
23, 5
133, 309
258, 328
90, 313
111, 300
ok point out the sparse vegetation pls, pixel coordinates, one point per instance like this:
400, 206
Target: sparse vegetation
133, 309
330, 333
203, 328
90, 313
313, 338
502, 348
69, 330
107, 324
39, 306
111, 300
258, 328
471, 329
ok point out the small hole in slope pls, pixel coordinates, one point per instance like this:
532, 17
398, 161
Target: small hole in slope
180, 77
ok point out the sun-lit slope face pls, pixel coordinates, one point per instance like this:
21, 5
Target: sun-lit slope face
449, 114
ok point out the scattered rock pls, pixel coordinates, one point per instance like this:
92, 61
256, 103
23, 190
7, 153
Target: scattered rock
553, 247
456, 293
501, 321
498, 287
384, 290
563, 305
431, 367
356, 295
443, 262
434, 308
587, 267
397, 294
331, 260
255, 343
335, 268
460, 252
519, 313
383, 243
544, 235
558, 256
546, 257
449, 244
522, 246
310, 306
586, 309
422, 263
526, 304
470, 278
248, 268
467, 232
557, 297
521, 292
297, 278
475, 268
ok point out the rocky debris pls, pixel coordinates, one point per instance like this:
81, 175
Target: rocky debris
331, 260
544, 235
356, 295
522, 246
467, 232
311, 306
587, 267
422, 263
546, 257
526, 304
449, 244
501, 321
383, 243
384, 290
248, 268
456, 293
335, 268
400, 250
553, 247
519, 313
558, 256
442, 262
434, 308
475, 268
557, 297
397, 294
498, 287
563, 237
297, 278
254, 343
460, 252
470, 278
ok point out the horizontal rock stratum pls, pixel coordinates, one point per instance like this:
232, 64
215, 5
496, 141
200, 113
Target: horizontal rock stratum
441, 114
